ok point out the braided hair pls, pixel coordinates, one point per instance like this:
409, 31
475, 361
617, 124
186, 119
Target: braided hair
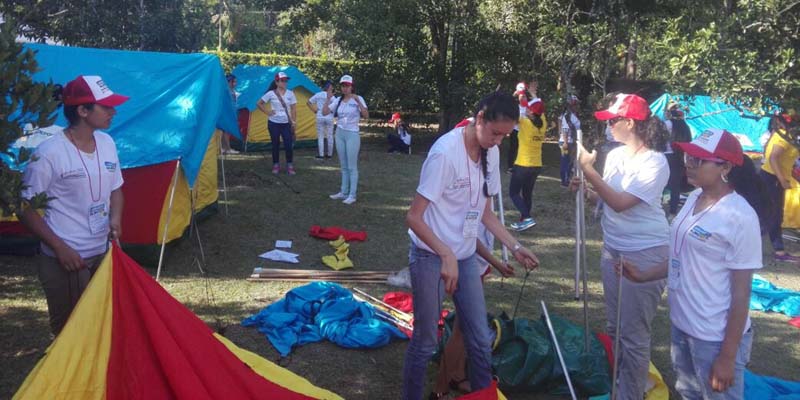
495, 106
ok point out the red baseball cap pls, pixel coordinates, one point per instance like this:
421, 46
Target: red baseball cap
714, 144
90, 89
536, 106
626, 106
281, 75
521, 88
395, 117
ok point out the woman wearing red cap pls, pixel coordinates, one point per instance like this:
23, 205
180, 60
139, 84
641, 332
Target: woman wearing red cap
282, 120
634, 227
78, 169
715, 246
400, 139
348, 111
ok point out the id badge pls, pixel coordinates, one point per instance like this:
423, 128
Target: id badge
98, 218
674, 275
471, 225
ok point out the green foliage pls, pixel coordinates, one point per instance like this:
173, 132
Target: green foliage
24, 101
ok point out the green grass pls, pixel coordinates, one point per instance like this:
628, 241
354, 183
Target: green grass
263, 209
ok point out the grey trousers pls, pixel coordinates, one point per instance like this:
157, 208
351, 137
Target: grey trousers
63, 288
639, 303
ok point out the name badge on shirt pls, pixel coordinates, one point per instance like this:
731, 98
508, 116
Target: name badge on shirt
674, 275
471, 224
98, 218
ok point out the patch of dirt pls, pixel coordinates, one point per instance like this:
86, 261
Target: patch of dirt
246, 178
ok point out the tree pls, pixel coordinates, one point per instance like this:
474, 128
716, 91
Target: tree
24, 101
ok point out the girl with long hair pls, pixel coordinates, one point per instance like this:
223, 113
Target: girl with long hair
444, 220
348, 109
282, 113
528, 164
714, 248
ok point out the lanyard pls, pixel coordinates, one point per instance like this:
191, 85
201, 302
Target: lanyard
469, 176
676, 251
88, 175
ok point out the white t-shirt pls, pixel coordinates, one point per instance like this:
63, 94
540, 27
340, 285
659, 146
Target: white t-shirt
348, 114
453, 184
281, 114
566, 133
61, 174
644, 225
319, 100
704, 250
404, 135
668, 124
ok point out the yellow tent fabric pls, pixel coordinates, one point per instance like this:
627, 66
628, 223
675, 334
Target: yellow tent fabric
791, 208
62, 372
659, 390
306, 128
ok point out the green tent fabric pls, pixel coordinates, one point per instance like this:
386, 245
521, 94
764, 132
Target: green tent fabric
525, 359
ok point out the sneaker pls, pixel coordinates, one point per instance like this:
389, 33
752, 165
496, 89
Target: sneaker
788, 258
526, 223
276, 169
319, 157
231, 151
349, 200
338, 196
290, 170
329, 156
515, 226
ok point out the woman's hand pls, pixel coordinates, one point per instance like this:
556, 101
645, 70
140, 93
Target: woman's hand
526, 258
630, 271
449, 273
114, 230
69, 259
586, 159
722, 373
271, 113
505, 269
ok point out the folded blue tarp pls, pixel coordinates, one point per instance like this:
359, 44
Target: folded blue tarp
768, 297
322, 310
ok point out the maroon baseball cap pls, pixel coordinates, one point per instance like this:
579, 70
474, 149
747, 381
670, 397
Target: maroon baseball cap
626, 106
281, 75
714, 144
90, 89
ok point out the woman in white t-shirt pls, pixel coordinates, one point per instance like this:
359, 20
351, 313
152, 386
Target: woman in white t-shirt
348, 109
79, 170
282, 112
324, 122
444, 220
715, 246
634, 227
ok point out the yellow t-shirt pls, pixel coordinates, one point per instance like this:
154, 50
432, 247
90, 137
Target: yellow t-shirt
787, 158
529, 153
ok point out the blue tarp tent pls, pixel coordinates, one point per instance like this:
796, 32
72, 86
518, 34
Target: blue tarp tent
176, 100
704, 113
253, 82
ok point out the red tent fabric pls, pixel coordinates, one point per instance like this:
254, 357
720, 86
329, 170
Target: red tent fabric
487, 393
145, 190
154, 348
333, 233
795, 322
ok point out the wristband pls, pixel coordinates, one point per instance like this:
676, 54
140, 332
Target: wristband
515, 248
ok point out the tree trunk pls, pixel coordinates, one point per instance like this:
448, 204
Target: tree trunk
630, 63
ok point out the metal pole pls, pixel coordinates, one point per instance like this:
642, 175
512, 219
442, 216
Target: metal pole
169, 214
579, 195
502, 221
224, 184
616, 334
521, 289
558, 351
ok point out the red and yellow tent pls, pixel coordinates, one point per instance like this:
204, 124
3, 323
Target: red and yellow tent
129, 338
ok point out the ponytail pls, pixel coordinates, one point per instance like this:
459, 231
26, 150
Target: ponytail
272, 86
495, 106
485, 168
537, 120
749, 185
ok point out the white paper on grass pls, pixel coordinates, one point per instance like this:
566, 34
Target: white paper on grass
283, 244
282, 256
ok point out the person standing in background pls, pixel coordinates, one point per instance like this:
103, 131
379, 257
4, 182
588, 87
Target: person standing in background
522, 95
282, 119
225, 140
324, 122
568, 126
348, 111
400, 139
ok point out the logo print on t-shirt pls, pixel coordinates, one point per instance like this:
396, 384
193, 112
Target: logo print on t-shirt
699, 233
111, 166
74, 174
460, 183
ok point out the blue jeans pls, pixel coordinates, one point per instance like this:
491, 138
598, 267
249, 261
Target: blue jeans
692, 360
777, 195
348, 143
276, 132
520, 189
428, 292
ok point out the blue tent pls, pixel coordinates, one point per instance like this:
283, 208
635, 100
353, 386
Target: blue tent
176, 100
704, 113
253, 81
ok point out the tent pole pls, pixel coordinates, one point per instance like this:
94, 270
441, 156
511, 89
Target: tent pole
224, 183
580, 238
193, 227
169, 215
558, 351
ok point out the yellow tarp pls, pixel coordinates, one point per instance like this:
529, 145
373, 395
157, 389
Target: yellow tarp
306, 128
791, 208
64, 373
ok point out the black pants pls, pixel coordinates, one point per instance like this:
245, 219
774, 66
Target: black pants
676, 174
520, 189
276, 132
396, 144
513, 147
776, 194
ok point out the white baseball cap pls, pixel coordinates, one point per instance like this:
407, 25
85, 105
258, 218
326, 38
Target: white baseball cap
90, 89
346, 80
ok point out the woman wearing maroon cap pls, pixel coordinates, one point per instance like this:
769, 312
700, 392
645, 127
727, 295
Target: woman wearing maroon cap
281, 122
634, 228
400, 139
79, 170
715, 246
